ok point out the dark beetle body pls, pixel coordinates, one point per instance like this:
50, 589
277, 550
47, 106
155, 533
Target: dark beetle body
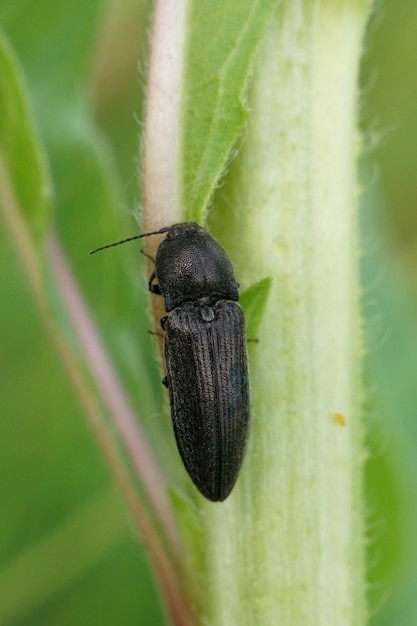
205, 352
209, 392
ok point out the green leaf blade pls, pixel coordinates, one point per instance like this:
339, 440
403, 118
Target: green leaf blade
23, 163
217, 68
253, 301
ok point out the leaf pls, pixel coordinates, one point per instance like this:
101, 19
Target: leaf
253, 301
25, 181
54, 47
222, 42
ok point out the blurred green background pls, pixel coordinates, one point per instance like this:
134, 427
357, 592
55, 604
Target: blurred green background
68, 554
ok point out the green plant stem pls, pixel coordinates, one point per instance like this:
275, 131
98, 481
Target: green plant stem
160, 153
288, 546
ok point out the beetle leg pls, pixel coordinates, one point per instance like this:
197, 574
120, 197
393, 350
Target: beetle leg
165, 382
163, 321
148, 256
154, 288
154, 332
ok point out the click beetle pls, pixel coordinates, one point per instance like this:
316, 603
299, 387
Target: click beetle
205, 354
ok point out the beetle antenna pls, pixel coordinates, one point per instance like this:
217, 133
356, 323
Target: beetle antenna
118, 243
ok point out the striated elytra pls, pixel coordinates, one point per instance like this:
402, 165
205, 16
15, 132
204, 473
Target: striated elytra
205, 353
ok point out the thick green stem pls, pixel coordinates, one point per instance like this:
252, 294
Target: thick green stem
287, 548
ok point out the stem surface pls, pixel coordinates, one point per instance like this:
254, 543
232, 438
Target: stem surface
287, 548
